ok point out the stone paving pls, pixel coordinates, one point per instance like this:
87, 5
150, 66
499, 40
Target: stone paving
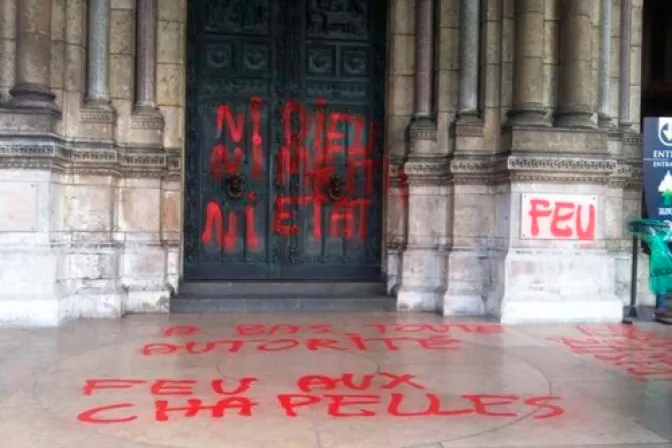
334, 381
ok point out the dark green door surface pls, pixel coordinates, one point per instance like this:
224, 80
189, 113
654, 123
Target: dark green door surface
284, 161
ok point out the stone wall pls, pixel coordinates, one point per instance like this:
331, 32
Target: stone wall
92, 189
542, 126
91, 185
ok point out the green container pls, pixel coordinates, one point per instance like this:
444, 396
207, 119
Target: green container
657, 234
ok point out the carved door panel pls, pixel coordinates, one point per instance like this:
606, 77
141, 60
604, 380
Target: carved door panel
336, 77
284, 156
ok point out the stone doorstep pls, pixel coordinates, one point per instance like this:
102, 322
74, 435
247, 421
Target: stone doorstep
182, 304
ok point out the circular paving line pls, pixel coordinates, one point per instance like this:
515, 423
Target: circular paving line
58, 390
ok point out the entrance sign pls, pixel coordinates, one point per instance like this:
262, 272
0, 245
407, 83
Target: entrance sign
657, 161
558, 217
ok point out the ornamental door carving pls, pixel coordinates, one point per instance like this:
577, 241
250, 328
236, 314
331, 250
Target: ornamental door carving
284, 163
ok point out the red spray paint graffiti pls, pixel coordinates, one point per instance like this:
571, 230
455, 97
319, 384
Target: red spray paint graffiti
347, 395
563, 217
343, 395
263, 338
220, 163
645, 355
318, 329
349, 342
311, 144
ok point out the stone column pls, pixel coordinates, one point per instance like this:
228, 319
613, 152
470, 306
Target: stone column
7, 48
146, 121
624, 68
33, 56
145, 89
422, 263
603, 73
98, 59
576, 104
470, 48
424, 58
422, 130
528, 79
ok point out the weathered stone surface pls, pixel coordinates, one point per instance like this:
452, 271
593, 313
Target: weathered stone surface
91, 199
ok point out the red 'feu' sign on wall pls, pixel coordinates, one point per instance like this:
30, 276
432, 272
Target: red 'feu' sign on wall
558, 217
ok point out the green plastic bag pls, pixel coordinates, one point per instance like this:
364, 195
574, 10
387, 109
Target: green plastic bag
657, 234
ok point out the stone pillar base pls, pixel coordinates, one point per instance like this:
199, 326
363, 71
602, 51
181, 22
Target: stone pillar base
34, 97
556, 219
465, 304
606, 122
417, 298
393, 269
29, 295
98, 120
559, 286
104, 302
28, 119
52, 302
575, 120
31, 313
468, 133
422, 137
468, 277
421, 280
147, 126
144, 267
88, 280
152, 301
45, 300
534, 116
